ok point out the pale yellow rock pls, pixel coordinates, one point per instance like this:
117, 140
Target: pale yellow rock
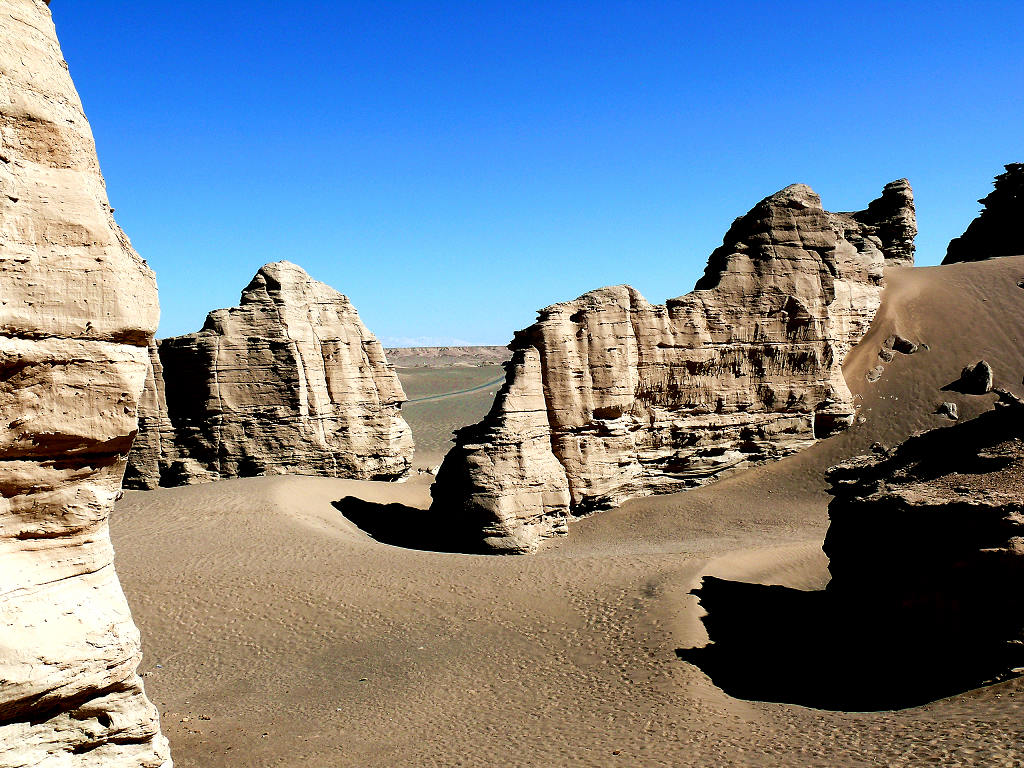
641, 398
289, 382
77, 311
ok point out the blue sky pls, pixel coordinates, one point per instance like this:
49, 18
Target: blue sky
454, 166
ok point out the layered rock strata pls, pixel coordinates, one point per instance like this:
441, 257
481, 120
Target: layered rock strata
933, 530
997, 231
609, 397
79, 308
288, 382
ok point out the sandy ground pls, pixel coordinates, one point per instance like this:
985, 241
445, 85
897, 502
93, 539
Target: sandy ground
443, 399
277, 633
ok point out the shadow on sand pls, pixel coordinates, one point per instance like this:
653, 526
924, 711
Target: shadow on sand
407, 527
772, 643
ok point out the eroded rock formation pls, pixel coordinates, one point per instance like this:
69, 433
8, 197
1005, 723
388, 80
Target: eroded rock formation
997, 231
79, 308
289, 381
609, 397
934, 530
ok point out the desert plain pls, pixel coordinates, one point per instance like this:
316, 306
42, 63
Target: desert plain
278, 632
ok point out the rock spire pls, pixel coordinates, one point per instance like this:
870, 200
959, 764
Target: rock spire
79, 309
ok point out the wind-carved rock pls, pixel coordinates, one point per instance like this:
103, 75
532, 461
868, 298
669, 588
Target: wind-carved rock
997, 230
609, 397
289, 381
79, 308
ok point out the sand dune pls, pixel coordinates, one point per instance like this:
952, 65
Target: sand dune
278, 633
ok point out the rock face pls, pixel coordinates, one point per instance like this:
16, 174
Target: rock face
935, 527
156, 433
79, 308
609, 397
289, 381
997, 230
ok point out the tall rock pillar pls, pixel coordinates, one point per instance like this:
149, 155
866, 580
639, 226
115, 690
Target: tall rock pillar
78, 310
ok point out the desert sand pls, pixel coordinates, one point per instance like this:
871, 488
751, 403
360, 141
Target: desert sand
278, 633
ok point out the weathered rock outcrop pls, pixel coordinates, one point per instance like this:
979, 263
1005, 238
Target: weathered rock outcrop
933, 530
997, 231
79, 307
609, 397
289, 381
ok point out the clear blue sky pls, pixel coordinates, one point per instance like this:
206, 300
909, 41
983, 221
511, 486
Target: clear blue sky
454, 166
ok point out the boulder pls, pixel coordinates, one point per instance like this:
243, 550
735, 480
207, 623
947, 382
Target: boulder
975, 379
609, 396
78, 312
288, 382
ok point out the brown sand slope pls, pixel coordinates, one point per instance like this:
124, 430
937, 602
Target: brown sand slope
307, 643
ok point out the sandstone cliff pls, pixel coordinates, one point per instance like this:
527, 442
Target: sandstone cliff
997, 231
933, 531
609, 397
289, 381
79, 308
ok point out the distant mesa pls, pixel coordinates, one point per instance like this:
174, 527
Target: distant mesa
288, 382
998, 230
609, 397
453, 357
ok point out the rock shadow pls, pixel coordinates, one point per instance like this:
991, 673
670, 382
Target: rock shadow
772, 643
408, 527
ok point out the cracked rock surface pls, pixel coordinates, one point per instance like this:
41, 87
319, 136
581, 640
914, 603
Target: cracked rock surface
288, 382
609, 397
79, 309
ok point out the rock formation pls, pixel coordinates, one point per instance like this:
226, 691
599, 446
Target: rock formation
933, 530
79, 307
997, 230
289, 381
153, 449
609, 397
976, 379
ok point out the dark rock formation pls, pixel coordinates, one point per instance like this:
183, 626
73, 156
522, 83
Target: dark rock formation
609, 397
926, 552
974, 379
290, 381
999, 228
934, 530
